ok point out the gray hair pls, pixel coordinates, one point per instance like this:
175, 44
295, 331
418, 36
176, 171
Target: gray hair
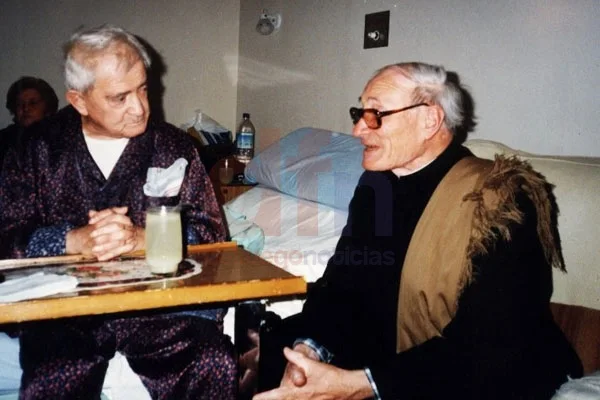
84, 46
433, 87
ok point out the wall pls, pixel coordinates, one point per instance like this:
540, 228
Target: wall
197, 39
533, 66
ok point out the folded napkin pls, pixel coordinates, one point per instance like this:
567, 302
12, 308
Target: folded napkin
37, 285
165, 182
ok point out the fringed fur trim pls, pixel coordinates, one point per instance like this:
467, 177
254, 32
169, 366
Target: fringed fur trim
496, 208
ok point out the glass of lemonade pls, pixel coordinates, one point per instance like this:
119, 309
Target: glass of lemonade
164, 250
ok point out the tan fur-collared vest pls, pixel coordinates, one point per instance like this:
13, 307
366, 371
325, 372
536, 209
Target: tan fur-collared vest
475, 199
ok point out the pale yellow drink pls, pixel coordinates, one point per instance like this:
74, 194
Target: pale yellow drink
163, 239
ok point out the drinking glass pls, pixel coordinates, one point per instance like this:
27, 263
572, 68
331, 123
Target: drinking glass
164, 249
225, 175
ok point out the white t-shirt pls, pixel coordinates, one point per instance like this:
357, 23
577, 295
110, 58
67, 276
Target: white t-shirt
105, 152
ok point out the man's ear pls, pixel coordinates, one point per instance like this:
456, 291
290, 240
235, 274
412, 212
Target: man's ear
76, 99
434, 118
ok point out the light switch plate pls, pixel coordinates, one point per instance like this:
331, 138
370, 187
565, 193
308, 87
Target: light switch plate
377, 30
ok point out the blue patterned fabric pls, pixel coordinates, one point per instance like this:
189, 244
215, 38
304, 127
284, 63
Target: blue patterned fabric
48, 241
176, 357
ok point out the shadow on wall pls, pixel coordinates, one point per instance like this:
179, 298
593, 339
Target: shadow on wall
469, 120
156, 89
256, 75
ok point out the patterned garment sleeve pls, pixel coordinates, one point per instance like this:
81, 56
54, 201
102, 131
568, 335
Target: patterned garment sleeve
204, 222
48, 241
18, 215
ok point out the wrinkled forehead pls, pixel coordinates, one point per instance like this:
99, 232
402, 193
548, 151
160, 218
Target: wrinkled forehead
114, 65
390, 85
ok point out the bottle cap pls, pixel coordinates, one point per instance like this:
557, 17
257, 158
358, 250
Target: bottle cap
245, 115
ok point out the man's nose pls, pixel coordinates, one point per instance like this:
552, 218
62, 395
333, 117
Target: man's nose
136, 105
360, 128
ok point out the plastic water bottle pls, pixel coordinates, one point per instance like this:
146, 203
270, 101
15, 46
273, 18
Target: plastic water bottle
244, 140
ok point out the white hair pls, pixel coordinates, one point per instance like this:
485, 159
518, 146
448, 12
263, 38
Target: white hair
83, 47
433, 87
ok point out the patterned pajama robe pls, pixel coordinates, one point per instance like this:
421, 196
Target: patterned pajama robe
47, 188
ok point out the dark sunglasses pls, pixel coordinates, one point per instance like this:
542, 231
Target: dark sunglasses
373, 117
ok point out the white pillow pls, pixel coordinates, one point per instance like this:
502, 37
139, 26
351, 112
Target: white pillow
312, 164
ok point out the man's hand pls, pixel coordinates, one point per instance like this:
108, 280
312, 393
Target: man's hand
108, 234
323, 382
294, 375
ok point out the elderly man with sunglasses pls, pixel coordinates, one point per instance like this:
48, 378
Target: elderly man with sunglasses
441, 281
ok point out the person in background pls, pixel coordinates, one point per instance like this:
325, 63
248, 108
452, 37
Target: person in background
76, 186
28, 100
440, 284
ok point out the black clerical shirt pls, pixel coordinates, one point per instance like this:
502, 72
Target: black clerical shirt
503, 330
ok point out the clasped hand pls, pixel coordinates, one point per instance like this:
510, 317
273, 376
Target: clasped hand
108, 234
307, 378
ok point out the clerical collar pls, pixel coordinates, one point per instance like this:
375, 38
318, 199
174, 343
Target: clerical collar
437, 169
